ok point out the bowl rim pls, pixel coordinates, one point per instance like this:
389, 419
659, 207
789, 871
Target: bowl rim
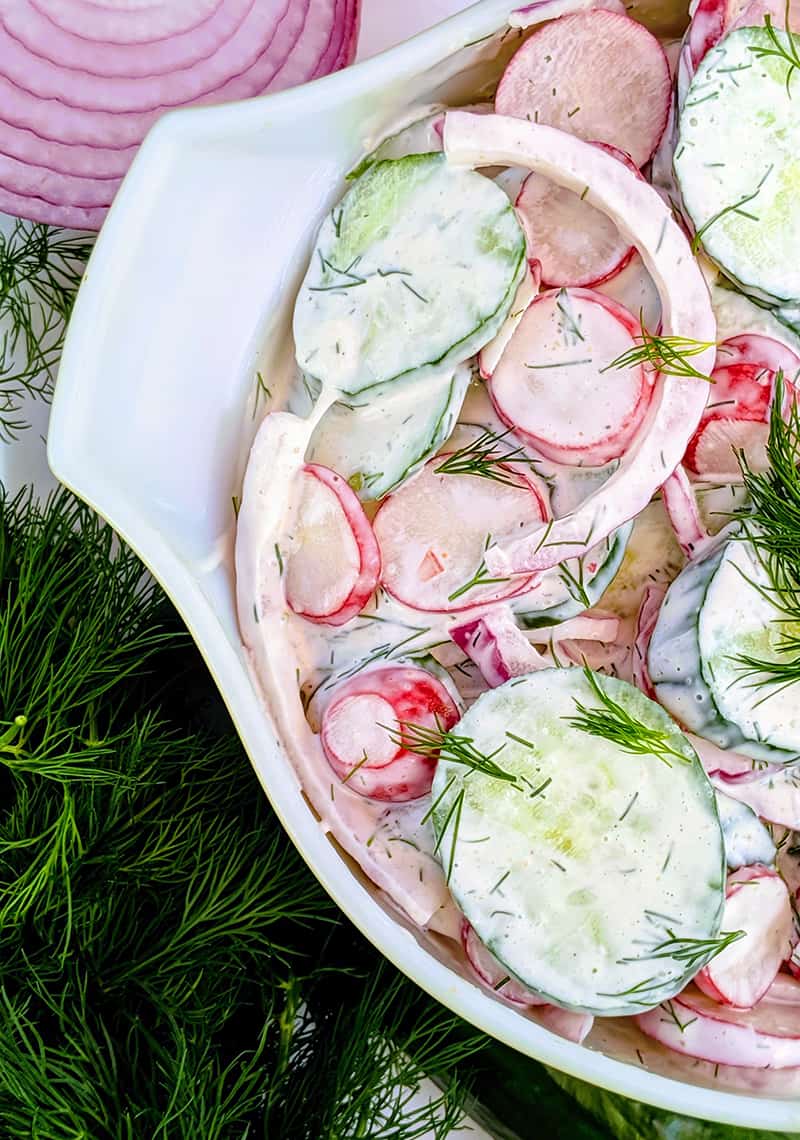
135, 202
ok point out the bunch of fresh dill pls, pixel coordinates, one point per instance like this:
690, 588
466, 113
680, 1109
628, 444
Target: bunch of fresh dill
168, 966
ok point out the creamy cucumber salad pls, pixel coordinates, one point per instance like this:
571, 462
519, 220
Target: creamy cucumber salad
518, 548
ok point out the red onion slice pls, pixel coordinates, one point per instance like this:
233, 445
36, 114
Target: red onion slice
82, 81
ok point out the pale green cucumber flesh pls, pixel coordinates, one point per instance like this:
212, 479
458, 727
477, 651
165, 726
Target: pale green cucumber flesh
717, 609
380, 444
570, 589
575, 875
738, 163
414, 269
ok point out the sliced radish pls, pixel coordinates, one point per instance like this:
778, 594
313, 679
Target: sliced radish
489, 356
334, 564
705, 29
678, 402
683, 513
498, 646
573, 1026
737, 414
492, 974
623, 100
716, 760
363, 721
773, 792
575, 243
646, 620
553, 383
433, 532
767, 1037
756, 902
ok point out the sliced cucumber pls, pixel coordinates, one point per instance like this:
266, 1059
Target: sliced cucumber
581, 875
415, 269
738, 162
575, 585
747, 840
377, 446
718, 608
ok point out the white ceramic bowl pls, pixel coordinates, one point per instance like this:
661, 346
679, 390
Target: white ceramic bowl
191, 282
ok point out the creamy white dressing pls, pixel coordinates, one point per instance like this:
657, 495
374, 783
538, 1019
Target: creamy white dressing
298, 664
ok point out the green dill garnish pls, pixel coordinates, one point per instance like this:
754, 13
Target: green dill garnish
784, 46
40, 271
486, 458
668, 1007
771, 524
279, 559
669, 355
442, 744
500, 882
734, 208
694, 952
614, 723
355, 768
236, 504
416, 293
568, 325
503, 982
261, 390
481, 577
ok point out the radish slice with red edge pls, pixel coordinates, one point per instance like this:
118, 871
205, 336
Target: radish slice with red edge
736, 417
553, 383
767, 1037
334, 562
574, 243
772, 792
623, 99
756, 903
682, 511
677, 402
646, 620
498, 646
81, 84
364, 720
492, 974
433, 531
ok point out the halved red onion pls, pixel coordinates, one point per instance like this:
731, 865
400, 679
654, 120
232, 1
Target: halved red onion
82, 81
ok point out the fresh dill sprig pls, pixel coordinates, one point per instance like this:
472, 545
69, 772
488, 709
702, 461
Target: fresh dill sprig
486, 459
785, 50
481, 577
614, 723
694, 952
40, 270
442, 744
669, 355
734, 208
771, 524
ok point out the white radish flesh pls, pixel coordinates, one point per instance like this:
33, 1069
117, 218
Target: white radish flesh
623, 99
573, 1026
433, 532
678, 403
767, 1037
554, 386
737, 414
575, 243
334, 563
363, 724
757, 903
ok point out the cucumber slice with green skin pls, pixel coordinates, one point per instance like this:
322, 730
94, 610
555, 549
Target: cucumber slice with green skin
738, 163
577, 584
414, 269
572, 875
716, 609
379, 445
